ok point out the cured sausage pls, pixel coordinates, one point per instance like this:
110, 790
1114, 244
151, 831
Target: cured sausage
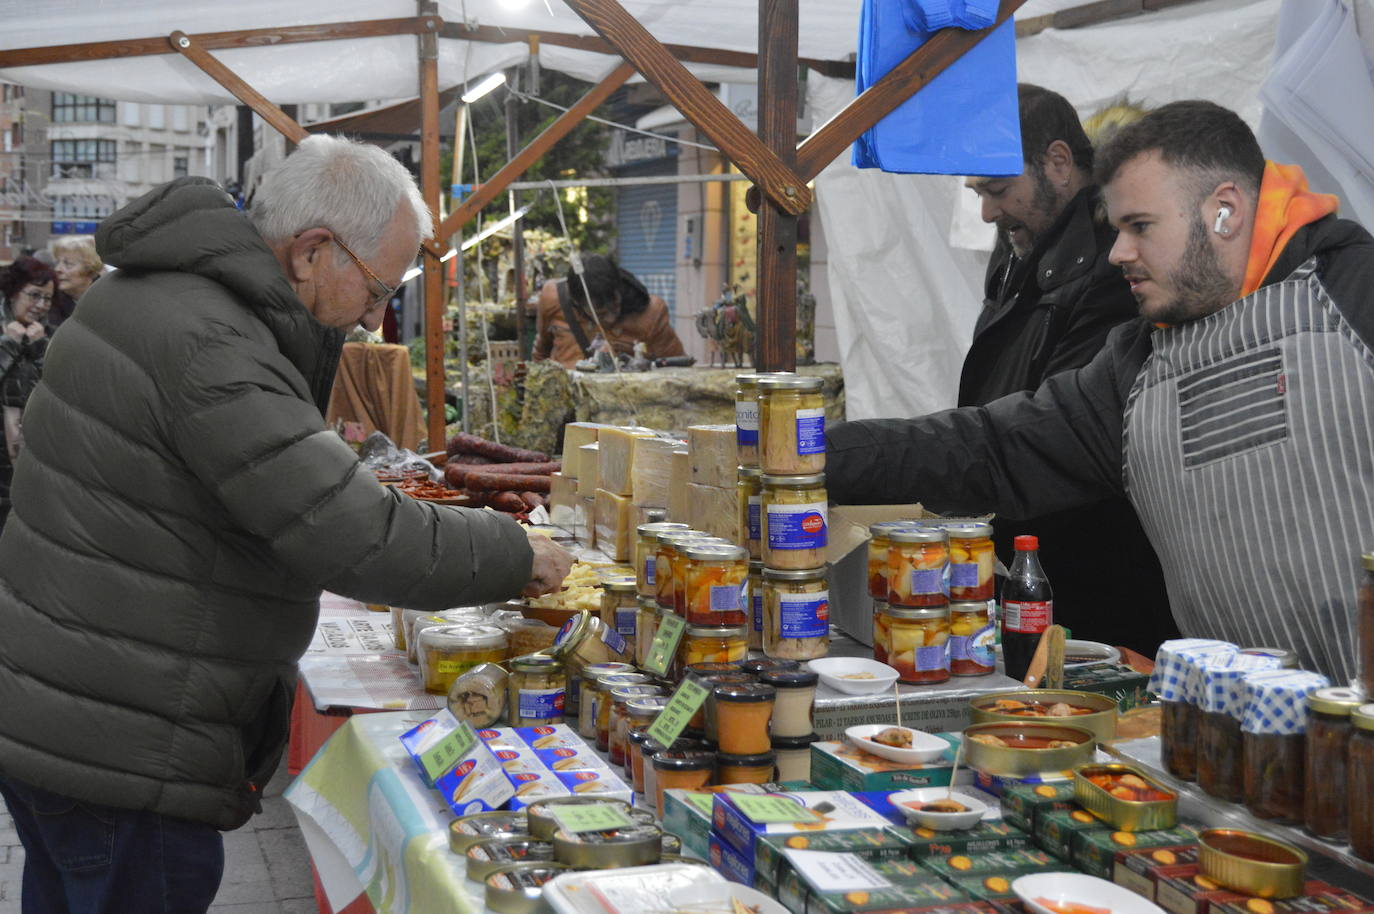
464, 443
507, 501
479, 481
456, 474
532, 500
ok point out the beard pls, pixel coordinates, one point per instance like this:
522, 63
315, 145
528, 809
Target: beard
1044, 207
1199, 284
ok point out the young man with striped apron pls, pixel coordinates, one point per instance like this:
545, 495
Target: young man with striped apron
1237, 415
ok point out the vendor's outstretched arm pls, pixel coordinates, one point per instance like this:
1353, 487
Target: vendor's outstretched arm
1023, 455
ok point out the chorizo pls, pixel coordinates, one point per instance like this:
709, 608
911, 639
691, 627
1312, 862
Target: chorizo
456, 475
509, 502
478, 481
464, 443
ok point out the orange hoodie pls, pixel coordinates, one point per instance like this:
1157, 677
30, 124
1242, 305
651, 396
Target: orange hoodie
1285, 205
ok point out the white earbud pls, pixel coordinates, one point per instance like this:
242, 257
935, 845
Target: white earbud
1223, 212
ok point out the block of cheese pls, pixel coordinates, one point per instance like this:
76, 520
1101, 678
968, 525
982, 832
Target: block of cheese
576, 434
680, 474
587, 470
651, 476
562, 501
585, 531
649, 514
715, 456
715, 510
615, 525
615, 456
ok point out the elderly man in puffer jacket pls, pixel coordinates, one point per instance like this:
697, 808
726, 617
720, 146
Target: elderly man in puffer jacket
180, 507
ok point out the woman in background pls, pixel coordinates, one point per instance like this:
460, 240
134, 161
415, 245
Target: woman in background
77, 266
28, 286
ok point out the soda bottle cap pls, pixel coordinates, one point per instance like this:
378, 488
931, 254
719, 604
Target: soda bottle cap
1025, 543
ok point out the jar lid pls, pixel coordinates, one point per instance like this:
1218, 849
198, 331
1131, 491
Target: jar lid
913, 612
756, 760
625, 693
536, 663
918, 535
717, 631
1368, 560
968, 530
756, 566
615, 680
659, 526
789, 679
681, 536
768, 664
637, 735
883, 527
1363, 717
572, 633
795, 482
793, 743
1338, 701
796, 574
645, 704
591, 671
619, 584
464, 636
749, 380
683, 759
704, 551
789, 382
1288, 660
750, 472
744, 692
706, 667
969, 606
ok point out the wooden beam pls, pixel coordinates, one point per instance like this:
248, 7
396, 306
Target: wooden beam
897, 85
1094, 13
230, 80
696, 103
684, 52
492, 188
211, 41
435, 376
776, 299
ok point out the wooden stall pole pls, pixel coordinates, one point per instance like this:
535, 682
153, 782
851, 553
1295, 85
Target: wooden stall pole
517, 231
429, 186
776, 339
274, 116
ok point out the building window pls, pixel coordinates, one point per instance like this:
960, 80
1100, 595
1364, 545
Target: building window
79, 214
79, 158
68, 108
180, 167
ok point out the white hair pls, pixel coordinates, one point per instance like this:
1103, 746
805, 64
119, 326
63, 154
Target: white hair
353, 189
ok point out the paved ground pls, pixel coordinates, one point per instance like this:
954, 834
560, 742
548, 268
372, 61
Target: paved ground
266, 866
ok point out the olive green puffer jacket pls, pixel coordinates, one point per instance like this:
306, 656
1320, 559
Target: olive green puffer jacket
179, 507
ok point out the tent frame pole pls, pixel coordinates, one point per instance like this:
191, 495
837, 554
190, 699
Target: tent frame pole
278, 119
775, 346
427, 47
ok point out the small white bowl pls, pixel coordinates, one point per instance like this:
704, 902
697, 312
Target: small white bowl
714, 898
908, 801
925, 747
1080, 889
833, 671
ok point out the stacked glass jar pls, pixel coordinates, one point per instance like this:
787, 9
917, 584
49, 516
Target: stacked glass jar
1175, 662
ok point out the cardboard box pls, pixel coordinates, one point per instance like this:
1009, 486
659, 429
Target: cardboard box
865, 843
1184, 890
1055, 831
1021, 803
985, 838
912, 887
1317, 898
687, 814
1116, 680
842, 766
960, 865
1094, 852
995, 888
997, 784
729, 862
1137, 870
844, 813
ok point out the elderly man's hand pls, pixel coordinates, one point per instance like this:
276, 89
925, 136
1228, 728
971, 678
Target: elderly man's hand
551, 565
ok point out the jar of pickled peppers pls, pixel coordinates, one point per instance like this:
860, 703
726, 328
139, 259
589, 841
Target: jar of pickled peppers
972, 562
914, 641
716, 583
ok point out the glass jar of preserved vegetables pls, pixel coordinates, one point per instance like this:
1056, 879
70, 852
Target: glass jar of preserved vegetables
595, 708
756, 606
791, 425
1366, 634
914, 641
585, 690
916, 561
1180, 716
795, 521
646, 626
649, 703
680, 565
747, 418
713, 644
605, 708
646, 550
717, 579
447, 651
972, 562
537, 687
664, 556
796, 613
1218, 687
749, 506
971, 639
1274, 741
1360, 780
620, 605
877, 555
1325, 800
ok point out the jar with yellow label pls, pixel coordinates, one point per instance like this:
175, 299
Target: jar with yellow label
972, 562
795, 521
791, 425
756, 606
749, 507
537, 689
713, 644
646, 550
796, 613
448, 651
747, 418
664, 557
913, 641
413, 621
717, 575
916, 560
646, 626
620, 605
878, 544
971, 639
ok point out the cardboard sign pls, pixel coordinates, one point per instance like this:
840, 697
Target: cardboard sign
590, 817
664, 646
683, 704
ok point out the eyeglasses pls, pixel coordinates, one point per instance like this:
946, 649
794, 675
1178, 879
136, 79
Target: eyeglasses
35, 295
388, 291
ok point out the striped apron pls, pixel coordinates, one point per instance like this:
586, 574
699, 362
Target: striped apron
1249, 456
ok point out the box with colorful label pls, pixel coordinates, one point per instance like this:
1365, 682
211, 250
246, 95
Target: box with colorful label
997, 784
1055, 831
960, 865
687, 813
984, 838
729, 862
566, 758
864, 843
452, 760
1021, 802
1115, 680
843, 766
1137, 870
834, 811
996, 887
1094, 852
1183, 889
1316, 898
899, 884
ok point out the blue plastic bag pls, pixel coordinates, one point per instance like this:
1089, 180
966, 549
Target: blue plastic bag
965, 122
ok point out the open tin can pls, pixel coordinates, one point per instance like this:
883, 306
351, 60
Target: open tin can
1251, 863
1125, 797
519, 888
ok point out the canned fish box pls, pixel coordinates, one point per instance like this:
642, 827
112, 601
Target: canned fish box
1094, 852
1022, 803
1138, 870
983, 838
466, 831
865, 843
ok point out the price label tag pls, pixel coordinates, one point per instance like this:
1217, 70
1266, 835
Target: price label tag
440, 758
830, 872
664, 646
673, 719
702, 801
590, 817
768, 809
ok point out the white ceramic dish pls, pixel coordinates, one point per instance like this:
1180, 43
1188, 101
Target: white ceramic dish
1080, 889
833, 671
908, 802
716, 899
925, 747
629, 890
1099, 652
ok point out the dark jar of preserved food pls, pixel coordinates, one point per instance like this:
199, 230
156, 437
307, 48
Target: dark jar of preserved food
1367, 627
1178, 734
1360, 782
1274, 775
1328, 744
1219, 769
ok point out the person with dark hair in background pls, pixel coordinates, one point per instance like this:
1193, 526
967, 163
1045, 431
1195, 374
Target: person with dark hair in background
1235, 415
1051, 298
27, 286
566, 330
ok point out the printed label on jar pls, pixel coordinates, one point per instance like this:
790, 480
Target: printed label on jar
804, 615
454, 666
758, 611
963, 574
541, 703
726, 598
1027, 618
797, 526
981, 646
927, 580
651, 571
755, 512
625, 621
612, 640
746, 422
929, 659
811, 431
